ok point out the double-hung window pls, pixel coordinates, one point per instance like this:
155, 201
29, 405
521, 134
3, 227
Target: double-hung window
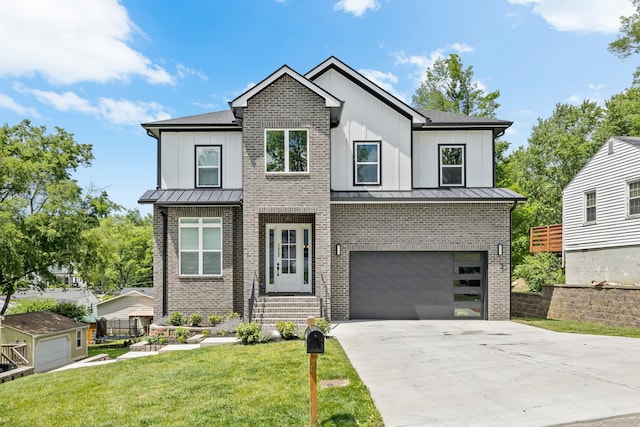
78, 339
200, 246
634, 198
366, 168
286, 150
208, 165
452, 165
590, 206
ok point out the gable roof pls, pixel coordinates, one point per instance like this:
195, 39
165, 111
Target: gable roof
330, 101
333, 63
128, 294
143, 290
41, 323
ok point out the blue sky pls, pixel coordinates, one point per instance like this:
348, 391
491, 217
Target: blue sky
100, 68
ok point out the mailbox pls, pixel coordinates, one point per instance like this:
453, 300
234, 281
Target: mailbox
315, 340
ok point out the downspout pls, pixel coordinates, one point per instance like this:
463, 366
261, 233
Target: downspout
515, 203
165, 235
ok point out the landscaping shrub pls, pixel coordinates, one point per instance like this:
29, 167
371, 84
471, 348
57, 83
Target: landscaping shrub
214, 319
206, 333
249, 333
287, 330
232, 315
228, 327
195, 319
176, 319
324, 325
540, 269
182, 334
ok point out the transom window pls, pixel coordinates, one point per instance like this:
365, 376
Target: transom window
208, 166
452, 165
634, 198
590, 206
286, 150
367, 163
201, 246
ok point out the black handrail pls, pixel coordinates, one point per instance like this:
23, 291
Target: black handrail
252, 296
321, 294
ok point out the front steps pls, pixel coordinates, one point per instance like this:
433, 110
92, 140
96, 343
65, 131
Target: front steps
269, 310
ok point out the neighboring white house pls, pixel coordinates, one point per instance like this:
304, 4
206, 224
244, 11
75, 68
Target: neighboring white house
601, 216
130, 312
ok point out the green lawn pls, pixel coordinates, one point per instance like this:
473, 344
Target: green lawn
578, 327
112, 352
231, 385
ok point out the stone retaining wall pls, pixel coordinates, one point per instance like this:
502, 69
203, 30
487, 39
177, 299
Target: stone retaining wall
607, 305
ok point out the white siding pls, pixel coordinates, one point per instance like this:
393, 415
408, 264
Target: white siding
478, 156
366, 118
121, 307
607, 174
178, 157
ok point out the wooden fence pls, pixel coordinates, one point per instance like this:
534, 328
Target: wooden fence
547, 238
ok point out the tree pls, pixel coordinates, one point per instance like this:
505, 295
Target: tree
43, 212
450, 87
123, 252
622, 116
65, 308
629, 42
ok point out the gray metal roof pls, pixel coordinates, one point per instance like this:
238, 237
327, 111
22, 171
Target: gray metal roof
217, 118
199, 196
441, 118
430, 195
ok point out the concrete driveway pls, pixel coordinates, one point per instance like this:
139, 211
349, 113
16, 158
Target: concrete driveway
479, 373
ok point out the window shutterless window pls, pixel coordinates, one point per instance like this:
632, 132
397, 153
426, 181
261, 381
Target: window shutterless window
200, 246
634, 198
590, 206
366, 158
208, 161
78, 339
286, 150
452, 165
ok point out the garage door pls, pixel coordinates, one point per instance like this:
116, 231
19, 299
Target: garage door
52, 353
417, 285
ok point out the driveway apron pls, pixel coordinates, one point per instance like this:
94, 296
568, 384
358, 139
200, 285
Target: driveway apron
491, 373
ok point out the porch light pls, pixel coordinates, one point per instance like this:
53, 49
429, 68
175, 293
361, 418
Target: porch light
338, 249
499, 248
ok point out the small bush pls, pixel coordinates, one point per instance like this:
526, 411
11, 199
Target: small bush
287, 330
228, 327
324, 325
232, 315
214, 319
540, 269
182, 334
195, 319
265, 336
206, 333
249, 333
176, 319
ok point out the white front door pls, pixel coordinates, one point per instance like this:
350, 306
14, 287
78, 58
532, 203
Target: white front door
288, 263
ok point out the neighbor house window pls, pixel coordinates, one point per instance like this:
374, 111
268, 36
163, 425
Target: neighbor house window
200, 246
452, 165
634, 198
78, 339
286, 150
367, 163
590, 206
208, 166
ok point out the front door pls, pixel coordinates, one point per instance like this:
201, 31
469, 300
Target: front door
288, 264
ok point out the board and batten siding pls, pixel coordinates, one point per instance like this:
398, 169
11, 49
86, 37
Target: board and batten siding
608, 174
478, 156
178, 158
366, 118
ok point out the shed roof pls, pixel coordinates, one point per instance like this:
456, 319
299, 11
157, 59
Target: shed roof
41, 323
211, 196
434, 195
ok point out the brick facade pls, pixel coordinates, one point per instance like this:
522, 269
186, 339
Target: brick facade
423, 227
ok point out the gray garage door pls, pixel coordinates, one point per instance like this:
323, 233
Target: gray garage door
417, 285
52, 353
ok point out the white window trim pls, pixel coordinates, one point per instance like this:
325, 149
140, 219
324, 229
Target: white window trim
461, 167
586, 206
356, 163
219, 167
629, 198
200, 225
286, 152
78, 339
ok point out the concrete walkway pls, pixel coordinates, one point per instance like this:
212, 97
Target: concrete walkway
479, 373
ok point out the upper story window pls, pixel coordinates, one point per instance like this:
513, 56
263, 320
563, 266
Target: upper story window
634, 198
286, 150
590, 206
366, 163
208, 165
200, 246
452, 165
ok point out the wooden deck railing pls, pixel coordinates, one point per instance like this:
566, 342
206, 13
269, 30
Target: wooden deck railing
14, 353
547, 238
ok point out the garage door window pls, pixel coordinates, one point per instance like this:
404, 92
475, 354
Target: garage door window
467, 285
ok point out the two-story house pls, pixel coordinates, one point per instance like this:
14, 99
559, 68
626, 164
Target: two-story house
325, 188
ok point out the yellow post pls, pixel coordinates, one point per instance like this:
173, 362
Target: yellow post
313, 388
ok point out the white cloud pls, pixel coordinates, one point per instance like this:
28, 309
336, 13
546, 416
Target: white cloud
9, 103
69, 41
356, 7
583, 16
461, 47
183, 71
382, 79
65, 101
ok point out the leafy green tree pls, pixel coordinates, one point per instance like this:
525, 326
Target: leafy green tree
43, 211
622, 116
123, 252
629, 41
69, 309
450, 87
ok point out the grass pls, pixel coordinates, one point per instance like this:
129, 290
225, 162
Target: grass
578, 327
231, 385
113, 353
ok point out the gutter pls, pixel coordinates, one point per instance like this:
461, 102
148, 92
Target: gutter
165, 235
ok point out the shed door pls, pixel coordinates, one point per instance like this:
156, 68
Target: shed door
417, 285
52, 353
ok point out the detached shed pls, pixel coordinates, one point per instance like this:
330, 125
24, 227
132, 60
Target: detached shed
52, 340
127, 314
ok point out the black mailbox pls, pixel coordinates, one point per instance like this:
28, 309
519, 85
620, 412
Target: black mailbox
315, 340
